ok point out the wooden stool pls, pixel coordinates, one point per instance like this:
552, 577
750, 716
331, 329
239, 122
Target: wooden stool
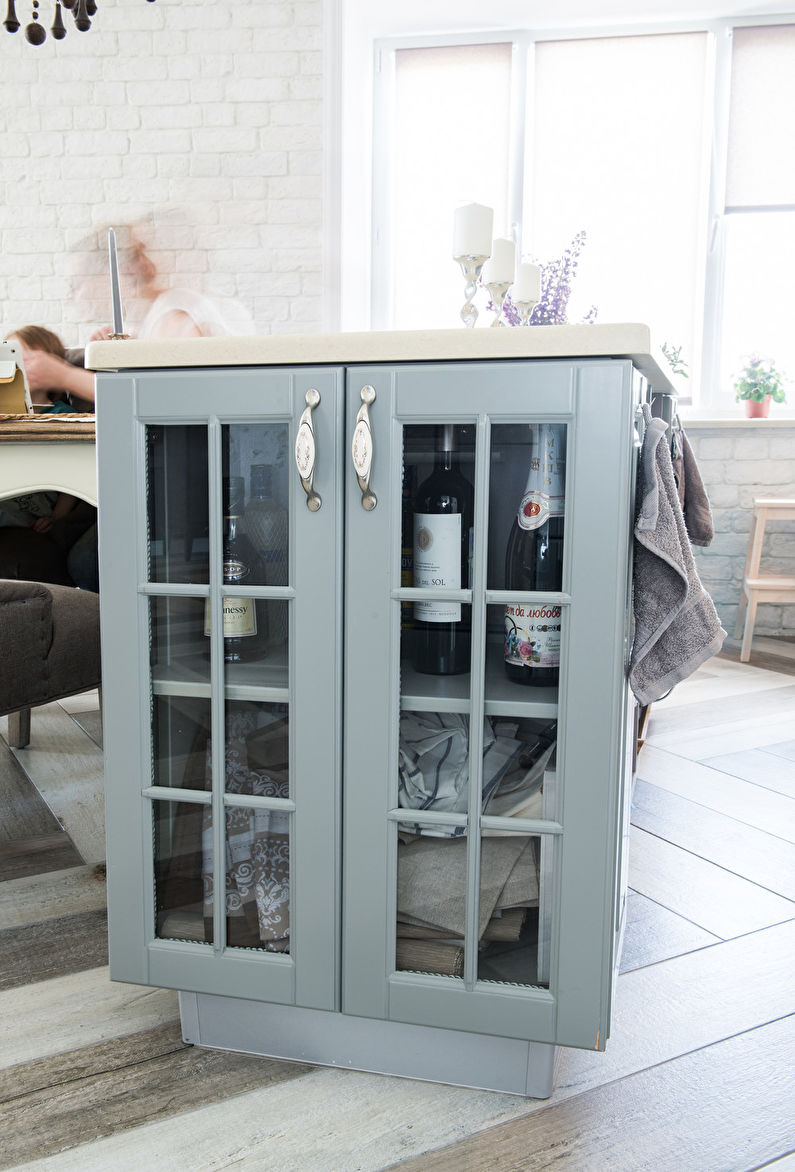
762, 587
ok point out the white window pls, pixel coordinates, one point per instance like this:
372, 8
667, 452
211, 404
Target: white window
689, 217
759, 274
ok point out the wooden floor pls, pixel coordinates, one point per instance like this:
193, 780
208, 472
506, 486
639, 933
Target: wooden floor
698, 1075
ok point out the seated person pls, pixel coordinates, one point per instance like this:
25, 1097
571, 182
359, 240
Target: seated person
54, 374
67, 520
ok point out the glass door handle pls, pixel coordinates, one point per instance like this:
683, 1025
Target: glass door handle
362, 449
306, 451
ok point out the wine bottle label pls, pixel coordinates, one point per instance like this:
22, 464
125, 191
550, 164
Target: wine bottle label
437, 563
532, 635
544, 494
240, 618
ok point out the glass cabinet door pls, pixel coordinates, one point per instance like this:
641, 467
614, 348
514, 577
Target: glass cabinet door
238, 587
469, 790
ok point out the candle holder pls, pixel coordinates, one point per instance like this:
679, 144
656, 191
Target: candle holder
498, 291
471, 267
525, 309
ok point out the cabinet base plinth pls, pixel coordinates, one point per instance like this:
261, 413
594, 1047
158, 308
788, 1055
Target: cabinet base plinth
379, 1047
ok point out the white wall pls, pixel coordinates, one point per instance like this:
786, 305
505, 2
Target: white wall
207, 116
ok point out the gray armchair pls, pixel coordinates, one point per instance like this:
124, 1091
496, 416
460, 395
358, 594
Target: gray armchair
49, 637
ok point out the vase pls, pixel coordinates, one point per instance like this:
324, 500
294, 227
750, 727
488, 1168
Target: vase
757, 408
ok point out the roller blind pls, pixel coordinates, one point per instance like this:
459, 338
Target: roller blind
761, 158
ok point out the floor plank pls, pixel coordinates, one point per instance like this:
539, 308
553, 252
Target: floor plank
66, 768
34, 898
726, 1107
690, 1001
763, 767
37, 952
25, 813
752, 854
43, 1123
744, 801
28, 1078
653, 933
786, 750
746, 705
77, 1010
31, 856
728, 737
715, 899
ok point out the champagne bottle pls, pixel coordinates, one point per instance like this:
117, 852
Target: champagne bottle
266, 526
244, 637
442, 554
534, 562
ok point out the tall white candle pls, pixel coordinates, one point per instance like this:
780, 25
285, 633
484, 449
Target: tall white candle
527, 286
501, 269
472, 229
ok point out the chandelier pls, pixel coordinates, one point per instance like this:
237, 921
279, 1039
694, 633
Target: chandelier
35, 32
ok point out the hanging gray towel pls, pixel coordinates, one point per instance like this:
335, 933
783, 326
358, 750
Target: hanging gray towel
676, 624
692, 493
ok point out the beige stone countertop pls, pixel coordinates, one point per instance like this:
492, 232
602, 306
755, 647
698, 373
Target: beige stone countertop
619, 340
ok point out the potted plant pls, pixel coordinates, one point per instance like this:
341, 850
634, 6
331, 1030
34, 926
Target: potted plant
758, 382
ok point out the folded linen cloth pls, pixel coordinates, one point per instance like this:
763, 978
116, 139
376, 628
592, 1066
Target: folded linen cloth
676, 624
433, 763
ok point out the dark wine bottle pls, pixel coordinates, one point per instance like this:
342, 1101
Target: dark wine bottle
443, 510
534, 562
244, 636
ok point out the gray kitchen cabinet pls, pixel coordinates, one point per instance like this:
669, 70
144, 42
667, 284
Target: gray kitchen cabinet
334, 856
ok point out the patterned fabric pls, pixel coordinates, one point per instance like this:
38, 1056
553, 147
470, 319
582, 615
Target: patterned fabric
257, 897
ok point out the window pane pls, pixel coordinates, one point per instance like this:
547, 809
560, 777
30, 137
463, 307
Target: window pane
619, 154
759, 293
451, 146
761, 163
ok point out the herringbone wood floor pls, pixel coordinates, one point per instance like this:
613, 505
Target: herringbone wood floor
698, 1075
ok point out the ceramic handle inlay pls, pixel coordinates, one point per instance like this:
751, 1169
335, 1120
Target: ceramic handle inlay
306, 452
362, 449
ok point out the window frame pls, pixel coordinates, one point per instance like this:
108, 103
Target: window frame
704, 378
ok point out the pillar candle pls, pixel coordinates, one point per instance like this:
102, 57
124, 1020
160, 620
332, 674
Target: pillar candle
500, 270
472, 230
527, 286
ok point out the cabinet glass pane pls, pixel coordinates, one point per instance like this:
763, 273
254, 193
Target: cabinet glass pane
510, 878
255, 471
436, 546
258, 879
526, 507
431, 901
179, 648
177, 503
257, 749
183, 858
181, 742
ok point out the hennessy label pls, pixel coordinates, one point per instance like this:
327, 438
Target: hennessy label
240, 618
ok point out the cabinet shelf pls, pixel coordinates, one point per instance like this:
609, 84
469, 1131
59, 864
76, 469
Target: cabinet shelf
265, 679
428, 693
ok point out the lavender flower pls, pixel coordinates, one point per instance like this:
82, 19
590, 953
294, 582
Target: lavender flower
556, 281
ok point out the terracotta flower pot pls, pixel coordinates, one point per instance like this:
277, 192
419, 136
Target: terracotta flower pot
757, 408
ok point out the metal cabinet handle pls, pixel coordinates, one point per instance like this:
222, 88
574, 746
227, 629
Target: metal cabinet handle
306, 451
362, 449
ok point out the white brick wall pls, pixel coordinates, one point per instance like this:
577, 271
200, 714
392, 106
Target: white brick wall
204, 115
738, 464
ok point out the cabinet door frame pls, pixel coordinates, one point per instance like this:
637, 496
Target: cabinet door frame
595, 399
126, 404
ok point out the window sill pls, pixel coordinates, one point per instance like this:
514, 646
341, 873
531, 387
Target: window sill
702, 419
